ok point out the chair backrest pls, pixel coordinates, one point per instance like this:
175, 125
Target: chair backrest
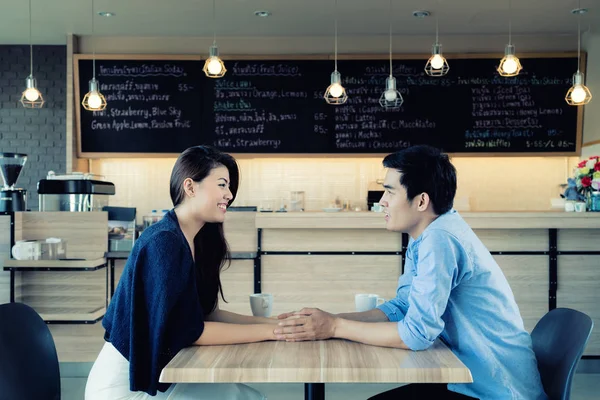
559, 339
28, 361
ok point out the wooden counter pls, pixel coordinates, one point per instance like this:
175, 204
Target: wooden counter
477, 220
550, 259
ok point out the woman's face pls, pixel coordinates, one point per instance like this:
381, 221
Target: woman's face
209, 198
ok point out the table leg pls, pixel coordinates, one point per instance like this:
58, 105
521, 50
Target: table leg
12, 286
112, 277
314, 391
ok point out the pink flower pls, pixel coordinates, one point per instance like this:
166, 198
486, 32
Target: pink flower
586, 181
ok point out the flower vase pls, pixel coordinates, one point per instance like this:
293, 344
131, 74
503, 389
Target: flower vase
593, 200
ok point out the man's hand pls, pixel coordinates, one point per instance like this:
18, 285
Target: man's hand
306, 324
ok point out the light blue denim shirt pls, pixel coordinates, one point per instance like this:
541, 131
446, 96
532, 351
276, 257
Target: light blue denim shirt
453, 288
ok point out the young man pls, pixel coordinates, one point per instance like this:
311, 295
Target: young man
451, 288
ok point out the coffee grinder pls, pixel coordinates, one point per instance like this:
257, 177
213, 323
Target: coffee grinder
11, 198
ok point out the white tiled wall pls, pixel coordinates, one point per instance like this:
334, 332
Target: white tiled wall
484, 183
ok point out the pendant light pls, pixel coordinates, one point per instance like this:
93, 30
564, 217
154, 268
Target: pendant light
335, 93
437, 64
578, 94
391, 99
214, 66
510, 64
94, 100
31, 97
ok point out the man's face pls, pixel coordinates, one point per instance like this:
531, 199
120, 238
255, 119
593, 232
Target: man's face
401, 214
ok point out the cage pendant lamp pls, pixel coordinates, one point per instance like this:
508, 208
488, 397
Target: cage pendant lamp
391, 99
93, 100
510, 65
214, 66
437, 65
335, 93
578, 94
31, 96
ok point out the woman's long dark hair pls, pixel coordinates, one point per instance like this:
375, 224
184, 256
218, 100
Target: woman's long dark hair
211, 248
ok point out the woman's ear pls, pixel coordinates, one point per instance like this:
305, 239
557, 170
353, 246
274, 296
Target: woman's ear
188, 187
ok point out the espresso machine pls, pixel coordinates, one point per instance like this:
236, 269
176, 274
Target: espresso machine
11, 198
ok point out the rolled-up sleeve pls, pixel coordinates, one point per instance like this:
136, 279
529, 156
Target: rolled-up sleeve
436, 274
396, 308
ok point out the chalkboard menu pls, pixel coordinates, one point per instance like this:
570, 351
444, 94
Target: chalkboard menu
277, 106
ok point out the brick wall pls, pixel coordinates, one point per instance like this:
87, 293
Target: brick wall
39, 133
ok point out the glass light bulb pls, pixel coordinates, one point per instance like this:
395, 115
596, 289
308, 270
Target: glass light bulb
214, 66
390, 95
510, 65
94, 100
336, 90
578, 94
32, 94
437, 62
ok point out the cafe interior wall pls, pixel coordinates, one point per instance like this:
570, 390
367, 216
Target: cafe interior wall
484, 183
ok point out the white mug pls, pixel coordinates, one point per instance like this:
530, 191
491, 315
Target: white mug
27, 250
261, 304
366, 302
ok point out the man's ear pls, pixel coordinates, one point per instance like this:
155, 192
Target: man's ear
423, 202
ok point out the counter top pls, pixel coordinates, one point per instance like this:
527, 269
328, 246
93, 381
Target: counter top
477, 220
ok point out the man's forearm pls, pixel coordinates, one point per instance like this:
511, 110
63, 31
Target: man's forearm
374, 315
383, 334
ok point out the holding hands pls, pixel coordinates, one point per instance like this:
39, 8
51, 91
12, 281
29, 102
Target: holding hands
306, 324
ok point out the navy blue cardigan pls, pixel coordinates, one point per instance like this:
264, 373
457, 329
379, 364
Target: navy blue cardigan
156, 310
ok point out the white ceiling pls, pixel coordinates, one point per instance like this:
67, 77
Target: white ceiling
53, 19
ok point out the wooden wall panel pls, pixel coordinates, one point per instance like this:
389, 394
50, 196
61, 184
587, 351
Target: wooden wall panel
240, 231
579, 240
4, 255
579, 288
331, 240
328, 282
514, 239
528, 279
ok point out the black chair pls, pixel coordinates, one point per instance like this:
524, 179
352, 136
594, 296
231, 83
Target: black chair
559, 339
28, 361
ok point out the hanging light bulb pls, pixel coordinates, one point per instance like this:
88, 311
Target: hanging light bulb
437, 64
335, 93
214, 66
93, 100
390, 99
31, 97
509, 64
578, 94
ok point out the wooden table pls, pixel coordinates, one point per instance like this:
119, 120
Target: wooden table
314, 363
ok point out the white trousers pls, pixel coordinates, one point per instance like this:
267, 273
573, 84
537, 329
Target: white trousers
109, 380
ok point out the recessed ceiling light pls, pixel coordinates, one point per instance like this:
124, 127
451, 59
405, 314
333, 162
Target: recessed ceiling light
421, 13
262, 13
107, 14
579, 11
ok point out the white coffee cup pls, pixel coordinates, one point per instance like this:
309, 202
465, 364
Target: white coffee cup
366, 302
27, 250
261, 304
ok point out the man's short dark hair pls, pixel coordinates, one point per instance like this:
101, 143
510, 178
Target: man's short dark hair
425, 169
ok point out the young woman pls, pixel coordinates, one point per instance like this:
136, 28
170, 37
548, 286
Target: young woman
167, 298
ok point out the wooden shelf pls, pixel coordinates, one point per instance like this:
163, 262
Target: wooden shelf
82, 315
49, 265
